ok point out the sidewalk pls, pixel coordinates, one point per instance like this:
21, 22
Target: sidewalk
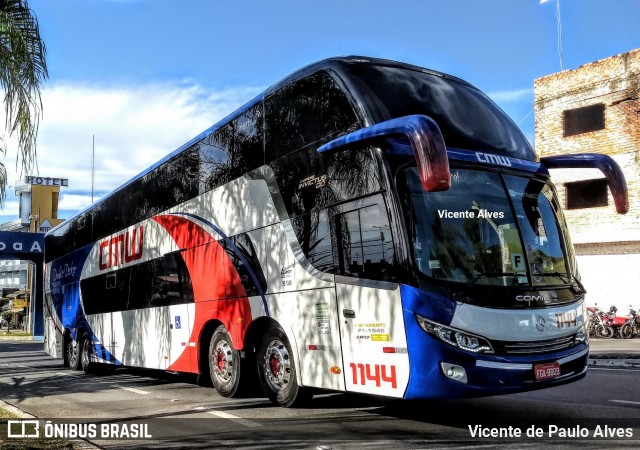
623, 353
19, 337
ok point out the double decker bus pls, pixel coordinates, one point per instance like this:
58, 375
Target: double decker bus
363, 226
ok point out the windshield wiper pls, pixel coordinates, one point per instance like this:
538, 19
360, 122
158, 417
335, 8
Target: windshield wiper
566, 278
480, 275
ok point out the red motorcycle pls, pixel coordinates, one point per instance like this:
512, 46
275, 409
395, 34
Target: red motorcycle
599, 323
614, 321
631, 326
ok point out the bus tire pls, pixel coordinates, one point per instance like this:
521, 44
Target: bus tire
85, 356
277, 370
225, 366
73, 354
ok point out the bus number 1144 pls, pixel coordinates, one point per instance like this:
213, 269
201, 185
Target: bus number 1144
373, 372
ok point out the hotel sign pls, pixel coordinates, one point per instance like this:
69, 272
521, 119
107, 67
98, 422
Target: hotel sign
46, 181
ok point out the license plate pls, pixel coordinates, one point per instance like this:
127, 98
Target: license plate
547, 371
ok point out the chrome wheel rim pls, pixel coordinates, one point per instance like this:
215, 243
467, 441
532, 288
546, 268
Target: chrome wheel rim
222, 362
277, 365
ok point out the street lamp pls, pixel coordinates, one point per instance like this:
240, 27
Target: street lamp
559, 24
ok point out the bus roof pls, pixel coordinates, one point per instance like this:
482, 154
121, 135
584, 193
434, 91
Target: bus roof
338, 65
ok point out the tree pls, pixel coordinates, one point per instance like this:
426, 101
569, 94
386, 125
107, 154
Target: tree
22, 70
7, 316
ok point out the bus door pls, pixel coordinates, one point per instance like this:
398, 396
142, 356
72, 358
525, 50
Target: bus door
303, 299
371, 322
101, 323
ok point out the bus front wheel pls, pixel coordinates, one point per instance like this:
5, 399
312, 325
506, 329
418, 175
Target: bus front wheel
224, 363
277, 370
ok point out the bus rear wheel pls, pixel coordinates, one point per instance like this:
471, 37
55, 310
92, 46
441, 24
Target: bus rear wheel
277, 370
224, 363
85, 356
73, 354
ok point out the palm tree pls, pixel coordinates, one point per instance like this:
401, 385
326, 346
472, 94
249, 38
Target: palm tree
22, 70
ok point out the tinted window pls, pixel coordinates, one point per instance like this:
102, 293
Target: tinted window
304, 113
159, 282
314, 237
232, 150
467, 118
245, 259
362, 240
174, 182
311, 180
216, 159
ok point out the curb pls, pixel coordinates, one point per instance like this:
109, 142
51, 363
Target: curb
9, 338
15, 410
78, 444
626, 363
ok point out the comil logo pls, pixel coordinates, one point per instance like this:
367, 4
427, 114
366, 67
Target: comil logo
21, 429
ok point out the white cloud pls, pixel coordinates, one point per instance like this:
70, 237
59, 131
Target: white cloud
134, 126
515, 95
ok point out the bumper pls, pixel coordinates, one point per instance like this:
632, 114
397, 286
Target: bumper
484, 375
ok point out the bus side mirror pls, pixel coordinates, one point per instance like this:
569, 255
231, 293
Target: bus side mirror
606, 164
426, 141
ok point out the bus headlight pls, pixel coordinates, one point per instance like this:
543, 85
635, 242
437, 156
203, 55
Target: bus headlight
459, 339
582, 335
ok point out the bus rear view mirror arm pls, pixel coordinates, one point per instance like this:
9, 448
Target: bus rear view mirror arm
606, 164
426, 141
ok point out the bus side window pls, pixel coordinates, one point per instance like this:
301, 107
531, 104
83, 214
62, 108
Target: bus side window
248, 148
306, 112
170, 281
362, 240
250, 272
232, 150
314, 238
215, 159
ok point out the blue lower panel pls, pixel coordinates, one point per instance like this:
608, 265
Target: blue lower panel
104, 355
426, 353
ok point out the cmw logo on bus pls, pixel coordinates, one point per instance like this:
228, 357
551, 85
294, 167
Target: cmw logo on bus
488, 158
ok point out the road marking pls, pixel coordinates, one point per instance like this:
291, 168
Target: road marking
134, 390
231, 417
625, 401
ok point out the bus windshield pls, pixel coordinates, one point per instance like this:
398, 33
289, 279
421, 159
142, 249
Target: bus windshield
489, 229
467, 118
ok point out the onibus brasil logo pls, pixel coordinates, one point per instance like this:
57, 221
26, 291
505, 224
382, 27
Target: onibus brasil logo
33, 429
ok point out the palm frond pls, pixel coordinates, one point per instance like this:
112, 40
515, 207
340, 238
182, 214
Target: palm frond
23, 69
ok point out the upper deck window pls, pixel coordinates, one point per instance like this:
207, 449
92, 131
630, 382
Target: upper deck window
305, 112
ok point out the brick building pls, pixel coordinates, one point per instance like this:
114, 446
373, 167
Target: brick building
596, 108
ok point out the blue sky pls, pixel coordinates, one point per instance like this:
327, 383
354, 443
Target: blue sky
145, 76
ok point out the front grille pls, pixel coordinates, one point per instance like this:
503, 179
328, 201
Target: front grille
532, 347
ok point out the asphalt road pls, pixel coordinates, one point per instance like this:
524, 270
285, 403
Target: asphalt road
177, 413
